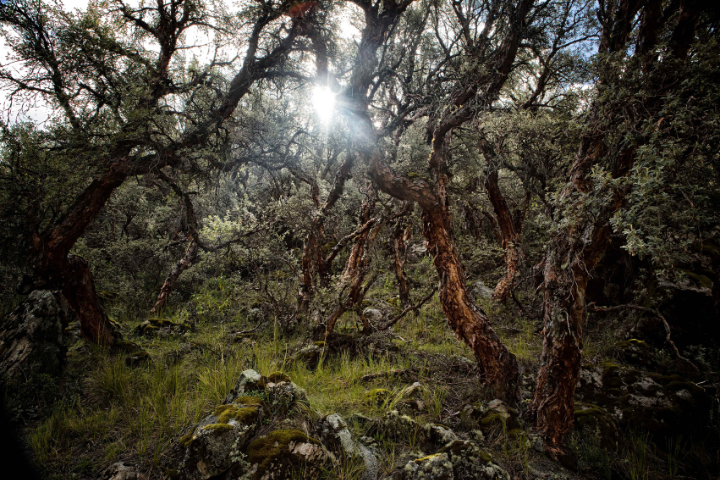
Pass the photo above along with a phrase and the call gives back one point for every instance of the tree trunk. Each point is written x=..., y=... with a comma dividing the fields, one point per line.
x=357, y=264
x=78, y=289
x=469, y=322
x=186, y=262
x=401, y=236
x=510, y=236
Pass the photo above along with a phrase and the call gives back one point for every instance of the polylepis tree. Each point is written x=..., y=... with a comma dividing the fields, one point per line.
x=644, y=46
x=114, y=79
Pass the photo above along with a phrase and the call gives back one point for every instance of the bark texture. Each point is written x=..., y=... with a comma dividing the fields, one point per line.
x=576, y=250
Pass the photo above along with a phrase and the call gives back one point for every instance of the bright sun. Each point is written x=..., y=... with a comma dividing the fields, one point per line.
x=323, y=100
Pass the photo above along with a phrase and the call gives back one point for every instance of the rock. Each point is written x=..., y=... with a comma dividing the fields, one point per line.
x=660, y=404
x=248, y=381
x=336, y=435
x=497, y=417
x=636, y=352
x=439, y=435
x=31, y=341
x=373, y=315
x=159, y=325
x=215, y=445
x=397, y=426
x=310, y=355
x=432, y=467
x=593, y=420
x=284, y=455
x=458, y=460
x=410, y=397
x=481, y=290
x=120, y=471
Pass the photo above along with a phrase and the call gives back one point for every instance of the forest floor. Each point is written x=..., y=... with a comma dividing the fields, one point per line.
x=110, y=407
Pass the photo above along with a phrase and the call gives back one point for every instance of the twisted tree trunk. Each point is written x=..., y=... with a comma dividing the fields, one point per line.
x=191, y=254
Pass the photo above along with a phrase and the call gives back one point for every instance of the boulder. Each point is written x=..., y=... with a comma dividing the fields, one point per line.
x=285, y=455
x=636, y=352
x=439, y=435
x=215, y=445
x=31, y=340
x=660, y=404
x=310, y=355
x=336, y=436
x=458, y=460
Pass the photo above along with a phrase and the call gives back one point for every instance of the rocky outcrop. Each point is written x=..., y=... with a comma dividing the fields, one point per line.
x=660, y=404
x=121, y=471
x=233, y=442
x=31, y=340
x=336, y=436
x=458, y=460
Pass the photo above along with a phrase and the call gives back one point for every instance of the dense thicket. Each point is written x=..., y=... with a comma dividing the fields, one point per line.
x=526, y=143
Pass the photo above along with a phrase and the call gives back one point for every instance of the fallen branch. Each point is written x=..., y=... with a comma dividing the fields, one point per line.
x=596, y=308
x=415, y=307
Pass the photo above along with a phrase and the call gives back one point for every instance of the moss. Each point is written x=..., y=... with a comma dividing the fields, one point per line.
x=376, y=396
x=248, y=400
x=185, y=440
x=215, y=427
x=264, y=451
x=277, y=377
x=320, y=344
x=244, y=415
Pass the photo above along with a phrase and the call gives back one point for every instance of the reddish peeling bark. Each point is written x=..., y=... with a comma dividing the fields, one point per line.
x=575, y=251
x=510, y=234
x=357, y=265
x=168, y=286
x=78, y=289
x=469, y=322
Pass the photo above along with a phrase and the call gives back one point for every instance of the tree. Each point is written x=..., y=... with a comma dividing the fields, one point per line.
x=115, y=107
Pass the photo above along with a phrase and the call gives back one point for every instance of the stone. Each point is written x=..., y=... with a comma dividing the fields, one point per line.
x=310, y=355
x=410, y=397
x=336, y=436
x=216, y=444
x=397, y=426
x=439, y=435
x=636, y=352
x=120, y=471
x=284, y=455
x=373, y=315
x=458, y=460
x=660, y=404
x=249, y=380
x=31, y=340
x=497, y=417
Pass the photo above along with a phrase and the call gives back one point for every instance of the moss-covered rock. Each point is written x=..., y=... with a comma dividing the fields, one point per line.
x=497, y=417
x=397, y=426
x=159, y=325
x=31, y=339
x=458, y=460
x=248, y=381
x=660, y=404
x=216, y=444
x=637, y=352
x=438, y=435
x=592, y=419
x=310, y=355
x=285, y=454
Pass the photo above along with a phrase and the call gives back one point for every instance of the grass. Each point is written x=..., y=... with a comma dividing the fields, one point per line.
x=138, y=413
